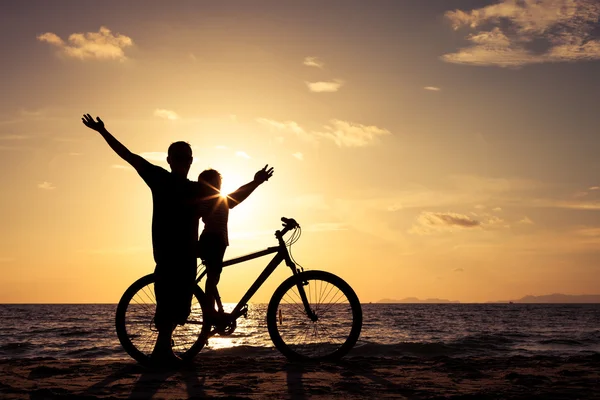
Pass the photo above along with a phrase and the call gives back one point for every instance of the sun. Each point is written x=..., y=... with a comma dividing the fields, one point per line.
x=231, y=182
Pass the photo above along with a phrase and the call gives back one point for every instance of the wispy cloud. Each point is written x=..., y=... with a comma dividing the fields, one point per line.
x=6, y=259
x=349, y=134
x=313, y=62
x=124, y=167
x=430, y=222
x=46, y=186
x=167, y=114
x=101, y=45
x=432, y=88
x=594, y=188
x=459, y=270
x=299, y=156
x=288, y=126
x=565, y=27
x=325, y=86
x=526, y=221
x=242, y=154
x=342, y=133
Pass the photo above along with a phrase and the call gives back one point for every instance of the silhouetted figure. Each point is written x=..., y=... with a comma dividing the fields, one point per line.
x=214, y=211
x=174, y=234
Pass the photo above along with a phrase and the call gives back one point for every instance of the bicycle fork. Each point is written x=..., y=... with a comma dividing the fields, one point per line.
x=300, y=285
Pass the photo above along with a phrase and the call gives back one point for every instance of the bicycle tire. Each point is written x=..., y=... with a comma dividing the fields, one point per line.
x=188, y=339
x=322, y=285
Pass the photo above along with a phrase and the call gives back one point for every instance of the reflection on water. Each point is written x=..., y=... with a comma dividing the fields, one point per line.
x=251, y=331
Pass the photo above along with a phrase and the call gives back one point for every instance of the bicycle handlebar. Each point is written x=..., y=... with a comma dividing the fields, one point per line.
x=288, y=224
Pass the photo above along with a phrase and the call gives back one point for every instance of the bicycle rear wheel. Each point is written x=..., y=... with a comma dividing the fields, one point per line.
x=336, y=327
x=135, y=323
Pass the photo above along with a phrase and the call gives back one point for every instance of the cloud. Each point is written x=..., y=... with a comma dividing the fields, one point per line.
x=342, y=133
x=325, y=87
x=430, y=222
x=349, y=134
x=526, y=221
x=299, y=156
x=594, y=188
x=242, y=154
x=528, y=32
x=289, y=126
x=119, y=166
x=167, y=114
x=46, y=186
x=101, y=45
x=432, y=88
x=459, y=270
x=497, y=209
x=313, y=62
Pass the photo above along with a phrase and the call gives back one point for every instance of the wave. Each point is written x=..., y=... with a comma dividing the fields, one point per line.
x=15, y=349
x=95, y=352
x=567, y=342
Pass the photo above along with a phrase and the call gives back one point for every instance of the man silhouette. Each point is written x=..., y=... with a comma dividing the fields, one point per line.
x=174, y=234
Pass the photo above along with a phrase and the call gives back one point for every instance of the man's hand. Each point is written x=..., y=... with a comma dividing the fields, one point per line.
x=264, y=174
x=88, y=121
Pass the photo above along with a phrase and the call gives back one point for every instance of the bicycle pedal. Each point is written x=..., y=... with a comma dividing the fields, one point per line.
x=244, y=311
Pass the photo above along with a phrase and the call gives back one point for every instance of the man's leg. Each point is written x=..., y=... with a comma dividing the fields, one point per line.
x=164, y=291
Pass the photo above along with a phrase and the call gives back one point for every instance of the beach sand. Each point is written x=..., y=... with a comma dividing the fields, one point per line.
x=357, y=377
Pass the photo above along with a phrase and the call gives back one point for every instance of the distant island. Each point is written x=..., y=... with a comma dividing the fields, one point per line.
x=556, y=298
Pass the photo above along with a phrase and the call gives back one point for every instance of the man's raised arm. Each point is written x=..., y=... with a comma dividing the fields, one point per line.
x=133, y=159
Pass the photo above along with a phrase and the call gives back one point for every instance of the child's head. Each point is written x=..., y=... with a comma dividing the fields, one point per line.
x=211, y=177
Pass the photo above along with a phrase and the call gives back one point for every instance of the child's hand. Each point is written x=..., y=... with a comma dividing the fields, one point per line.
x=88, y=121
x=264, y=174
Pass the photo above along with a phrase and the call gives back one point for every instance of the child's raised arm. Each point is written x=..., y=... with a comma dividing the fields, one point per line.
x=239, y=195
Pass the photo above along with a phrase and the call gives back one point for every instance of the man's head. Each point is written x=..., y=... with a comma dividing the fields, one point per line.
x=211, y=177
x=180, y=158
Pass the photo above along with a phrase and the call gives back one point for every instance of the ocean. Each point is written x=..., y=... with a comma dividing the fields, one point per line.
x=86, y=331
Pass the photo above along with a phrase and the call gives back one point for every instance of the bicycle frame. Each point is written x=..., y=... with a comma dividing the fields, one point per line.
x=282, y=255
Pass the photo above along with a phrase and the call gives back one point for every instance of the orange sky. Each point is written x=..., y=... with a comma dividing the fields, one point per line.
x=428, y=149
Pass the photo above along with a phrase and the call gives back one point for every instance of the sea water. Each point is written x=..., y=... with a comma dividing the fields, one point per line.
x=76, y=331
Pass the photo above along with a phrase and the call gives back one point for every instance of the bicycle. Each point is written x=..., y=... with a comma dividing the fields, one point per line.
x=296, y=315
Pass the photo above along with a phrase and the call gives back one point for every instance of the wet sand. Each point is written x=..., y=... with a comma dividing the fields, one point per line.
x=359, y=377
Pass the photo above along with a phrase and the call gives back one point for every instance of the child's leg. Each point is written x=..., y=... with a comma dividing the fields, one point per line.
x=212, y=279
x=214, y=250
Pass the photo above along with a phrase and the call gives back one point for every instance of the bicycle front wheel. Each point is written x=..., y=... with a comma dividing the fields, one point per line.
x=334, y=327
x=135, y=323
